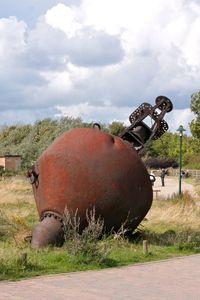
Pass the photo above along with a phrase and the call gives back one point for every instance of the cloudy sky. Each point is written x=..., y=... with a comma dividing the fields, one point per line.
x=97, y=59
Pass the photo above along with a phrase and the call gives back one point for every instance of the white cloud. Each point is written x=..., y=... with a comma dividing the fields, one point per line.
x=116, y=16
x=180, y=117
x=101, y=58
x=11, y=37
x=95, y=113
x=64, y=18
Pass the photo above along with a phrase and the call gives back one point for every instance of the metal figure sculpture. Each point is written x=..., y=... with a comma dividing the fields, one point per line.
x=86, y=168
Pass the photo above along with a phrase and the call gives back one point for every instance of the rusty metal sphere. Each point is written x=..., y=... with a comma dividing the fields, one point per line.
x=86, y=168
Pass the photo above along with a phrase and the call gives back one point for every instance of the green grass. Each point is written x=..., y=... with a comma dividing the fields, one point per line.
x=58, y=260
x=171, y=228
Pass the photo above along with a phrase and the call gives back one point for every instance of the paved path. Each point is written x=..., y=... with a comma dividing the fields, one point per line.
x=171, y=187
x=174, y=279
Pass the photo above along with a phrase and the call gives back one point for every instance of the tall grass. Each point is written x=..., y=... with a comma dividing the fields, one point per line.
x=171, y=227
x=174, y=221
x=175, y=212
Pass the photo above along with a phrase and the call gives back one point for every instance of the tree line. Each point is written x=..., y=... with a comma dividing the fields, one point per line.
x=30, y=140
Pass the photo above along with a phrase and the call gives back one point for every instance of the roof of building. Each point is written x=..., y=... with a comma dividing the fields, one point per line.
x=10, y=155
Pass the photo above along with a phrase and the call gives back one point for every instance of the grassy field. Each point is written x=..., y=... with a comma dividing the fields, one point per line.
x=171, y=228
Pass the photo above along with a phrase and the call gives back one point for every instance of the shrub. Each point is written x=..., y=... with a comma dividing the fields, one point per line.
x=84, y=244
x=161, y=163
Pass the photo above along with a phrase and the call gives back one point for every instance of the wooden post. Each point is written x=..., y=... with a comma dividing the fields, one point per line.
x=23, y=258
x=145, y=247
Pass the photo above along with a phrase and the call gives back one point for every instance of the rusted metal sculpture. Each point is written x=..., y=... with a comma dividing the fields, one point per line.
x=139, y=133
x=87, y=168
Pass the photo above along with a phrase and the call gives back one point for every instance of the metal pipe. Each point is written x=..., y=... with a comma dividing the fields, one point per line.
x=48, y=232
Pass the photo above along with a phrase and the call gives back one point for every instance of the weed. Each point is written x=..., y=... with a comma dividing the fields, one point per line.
x=84, y=244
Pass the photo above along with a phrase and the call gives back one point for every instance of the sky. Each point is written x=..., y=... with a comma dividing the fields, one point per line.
x=97, y=59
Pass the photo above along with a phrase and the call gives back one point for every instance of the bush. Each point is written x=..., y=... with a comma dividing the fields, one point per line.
x=84, y=244
x=161, y=163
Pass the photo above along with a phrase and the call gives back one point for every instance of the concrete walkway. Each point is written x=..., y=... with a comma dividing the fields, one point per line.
x=174, y=279
x=171, y=187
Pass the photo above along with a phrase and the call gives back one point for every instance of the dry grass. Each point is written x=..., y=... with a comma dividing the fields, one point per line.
x=17, y=207
x=14, y=190
x=197, y=187
x=175, y=213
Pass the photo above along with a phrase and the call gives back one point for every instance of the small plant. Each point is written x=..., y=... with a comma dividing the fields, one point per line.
x=123, y=232
x=71, y=223
x=84, y=244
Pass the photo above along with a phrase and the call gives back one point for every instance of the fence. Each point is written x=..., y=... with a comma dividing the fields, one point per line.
x=175, y=172
x=191, y=173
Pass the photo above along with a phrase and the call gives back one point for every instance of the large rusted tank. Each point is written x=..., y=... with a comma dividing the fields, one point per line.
x=86, y=168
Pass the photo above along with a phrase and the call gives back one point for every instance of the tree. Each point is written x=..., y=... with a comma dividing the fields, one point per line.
x=195, y=107
x=116, y=128
x=166, y=146
x=195, y=127
x=195, y=103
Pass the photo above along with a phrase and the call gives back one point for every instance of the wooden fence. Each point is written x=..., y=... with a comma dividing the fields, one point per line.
x=175, y=172
x=191, y=173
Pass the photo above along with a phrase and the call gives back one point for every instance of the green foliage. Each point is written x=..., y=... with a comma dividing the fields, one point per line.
x=195, y=127
x=116, y=128
x=168, y=146
x=195, y=103
x=30, y=141
x=195, y=107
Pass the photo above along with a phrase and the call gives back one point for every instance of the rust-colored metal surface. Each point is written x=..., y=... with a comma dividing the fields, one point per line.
x=48, y=232
x=86, y=168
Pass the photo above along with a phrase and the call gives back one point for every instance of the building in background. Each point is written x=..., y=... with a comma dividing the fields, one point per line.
x=10, y=162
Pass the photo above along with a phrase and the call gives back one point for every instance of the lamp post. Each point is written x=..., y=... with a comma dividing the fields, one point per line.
x=180, y=130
